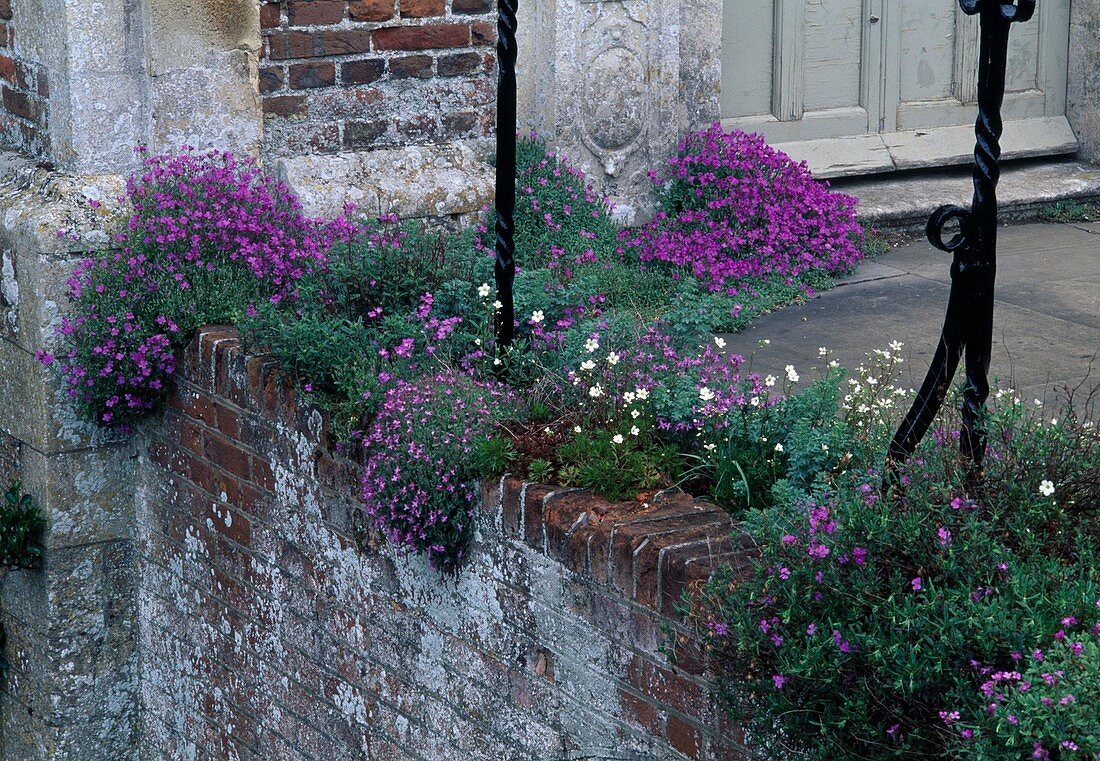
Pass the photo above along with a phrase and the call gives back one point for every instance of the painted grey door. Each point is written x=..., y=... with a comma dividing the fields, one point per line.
x=858, y=86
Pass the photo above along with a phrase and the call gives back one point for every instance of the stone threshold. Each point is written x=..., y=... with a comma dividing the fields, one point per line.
x=902, y=202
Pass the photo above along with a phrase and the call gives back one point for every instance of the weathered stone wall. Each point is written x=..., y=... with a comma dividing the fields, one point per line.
x=274, y=626
x=70, y=626
x=24, y=117
x=1083, y=101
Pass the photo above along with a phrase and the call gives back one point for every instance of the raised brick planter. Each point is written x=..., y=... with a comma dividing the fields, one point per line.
x=273, y=625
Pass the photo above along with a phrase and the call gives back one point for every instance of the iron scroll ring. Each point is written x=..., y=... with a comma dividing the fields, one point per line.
x=1020, y=10
x=940, y=217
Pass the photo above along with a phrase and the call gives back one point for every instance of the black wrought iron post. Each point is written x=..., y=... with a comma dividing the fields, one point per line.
x=505, y=268
x=968, y=325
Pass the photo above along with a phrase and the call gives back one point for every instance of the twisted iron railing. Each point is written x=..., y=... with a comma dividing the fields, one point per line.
x=505, y=267
x=968, y=325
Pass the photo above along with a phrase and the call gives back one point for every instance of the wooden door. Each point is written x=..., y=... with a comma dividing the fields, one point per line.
x=859, y=86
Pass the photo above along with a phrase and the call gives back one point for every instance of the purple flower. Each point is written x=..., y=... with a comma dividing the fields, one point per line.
x=916, y=584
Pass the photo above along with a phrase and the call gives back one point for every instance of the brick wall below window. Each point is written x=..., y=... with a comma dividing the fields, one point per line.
x=348, y=76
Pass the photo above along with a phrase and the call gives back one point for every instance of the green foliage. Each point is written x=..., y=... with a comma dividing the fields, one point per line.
x=493, y=455
x=617, y=469
x=21, y=528
x=1072, y=210
x=875, y=615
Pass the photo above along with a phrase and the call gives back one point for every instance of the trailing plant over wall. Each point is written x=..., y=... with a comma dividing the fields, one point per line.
x=924, y=621
x=622, y=387
x=209, y=237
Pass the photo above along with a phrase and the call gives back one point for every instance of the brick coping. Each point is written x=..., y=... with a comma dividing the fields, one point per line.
x=651, y=552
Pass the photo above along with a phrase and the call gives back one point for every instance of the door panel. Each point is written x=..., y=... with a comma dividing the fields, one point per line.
x=813, y=75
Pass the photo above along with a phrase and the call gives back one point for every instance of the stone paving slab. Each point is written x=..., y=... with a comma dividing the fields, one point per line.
x=1047, y=318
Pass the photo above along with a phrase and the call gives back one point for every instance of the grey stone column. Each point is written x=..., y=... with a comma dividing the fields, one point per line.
x=614, y=84
x=1083, y=97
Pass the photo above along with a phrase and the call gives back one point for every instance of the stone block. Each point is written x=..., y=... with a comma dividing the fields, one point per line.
x=425, y=181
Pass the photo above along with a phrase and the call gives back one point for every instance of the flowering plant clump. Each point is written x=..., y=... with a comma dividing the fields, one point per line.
x=882, y=614
x=420, y=483
x=209, y=235
x=734, y=210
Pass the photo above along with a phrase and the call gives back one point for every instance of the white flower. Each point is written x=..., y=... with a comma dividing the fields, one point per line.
x=710, y=447
x=484, y=290
x=612, y=358
x=596, y=391
x=576, y=429
x=720, y=342
x=1054, y=421
x=1046, y=488
x=824, y=447
x=537, y=316
x=895, y=346
x=766, y=342
x=588, y=365
x=822, y=351
x=634, y=430
x=642, y=393
x=547, y=431
x=617, y=438
x=792, y=376
x=706, y=394
x=1038, y=402
x=833, y=363
x=497, y=304
x=634, y=414
x=778, y=447
x=591, y=345
x=769, y=381
x=755, y=401
x=496, y=361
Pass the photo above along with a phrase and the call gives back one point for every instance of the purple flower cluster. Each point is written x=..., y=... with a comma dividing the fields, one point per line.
x=419, y=485
x=199, y=221
x=199, y=210
x=735, y=209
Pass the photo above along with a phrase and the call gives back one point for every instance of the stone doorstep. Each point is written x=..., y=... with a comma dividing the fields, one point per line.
x=903, y=201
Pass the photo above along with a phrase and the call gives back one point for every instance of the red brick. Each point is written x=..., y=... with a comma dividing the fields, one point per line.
x=315, y=12
x=269, y=16
x=7, y=68
x=411, y=66
x=422, y=37
x=684, y=737
x=283, y=45
x=262, y=474
x=19, y=104
x=199, y=407
x=362, y=72
x=227, y=455
x=229, y=421
x=363, y=134
x=271, y=79
x=371, y=10
x=421, y=8
x=510, y=506
x=483, y=33
x=285, y=106
x=305, y=76
x=640, y=711
x=459, y=125
x=531, y=506
x=472, y=6
x=345, y=42
x=459, y=63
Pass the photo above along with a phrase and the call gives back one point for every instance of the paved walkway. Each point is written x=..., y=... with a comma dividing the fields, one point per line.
x=1046, y=323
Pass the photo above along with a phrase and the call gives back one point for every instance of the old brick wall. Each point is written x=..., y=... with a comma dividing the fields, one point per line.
x=340, y=75
x=25, y=90
x=272, y=626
